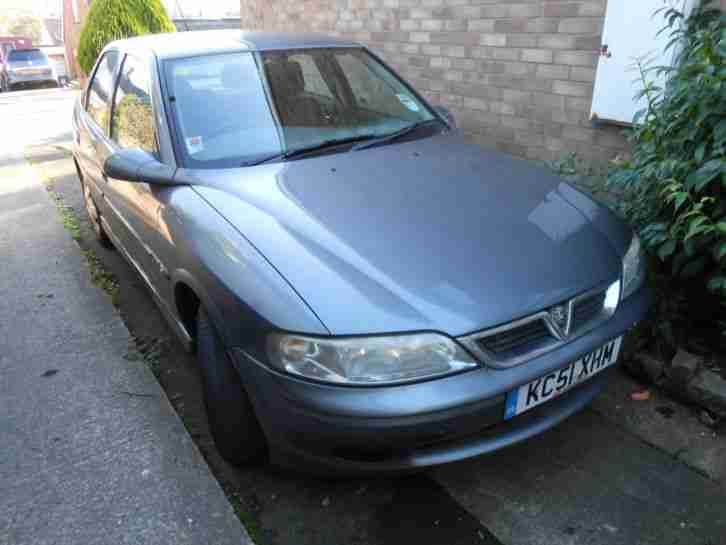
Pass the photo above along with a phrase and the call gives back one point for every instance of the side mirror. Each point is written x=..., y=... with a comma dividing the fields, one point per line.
x=136, y=165
x=444, y=112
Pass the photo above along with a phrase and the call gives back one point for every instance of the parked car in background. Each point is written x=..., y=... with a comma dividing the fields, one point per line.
x=27, y=69
x=7, y=44
x=57, y=57
x=365, y=290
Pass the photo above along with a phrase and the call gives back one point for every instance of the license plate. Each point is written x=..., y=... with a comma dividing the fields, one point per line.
x=557, y=382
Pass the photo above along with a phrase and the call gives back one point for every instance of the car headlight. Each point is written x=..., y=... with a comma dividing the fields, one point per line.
x=368, y=360
x=633, y=267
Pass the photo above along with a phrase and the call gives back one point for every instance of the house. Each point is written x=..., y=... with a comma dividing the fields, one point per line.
x=73, y=14
x=203, y=18
x=534, y=78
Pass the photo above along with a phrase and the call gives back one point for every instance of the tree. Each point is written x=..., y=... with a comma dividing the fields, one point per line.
x=26, y=26
x=110, y=20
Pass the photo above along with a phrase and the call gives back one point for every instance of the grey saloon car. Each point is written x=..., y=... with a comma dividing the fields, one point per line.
x=365, y=291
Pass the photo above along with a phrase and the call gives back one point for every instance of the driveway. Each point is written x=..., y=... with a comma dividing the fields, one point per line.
x=621, y=472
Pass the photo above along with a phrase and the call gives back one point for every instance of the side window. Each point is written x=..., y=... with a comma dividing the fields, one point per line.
x=101, y=89
x=314, y=82
x=132, y=125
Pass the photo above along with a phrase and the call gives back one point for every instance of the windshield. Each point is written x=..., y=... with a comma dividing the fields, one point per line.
x=35, y=56
x=226, y=115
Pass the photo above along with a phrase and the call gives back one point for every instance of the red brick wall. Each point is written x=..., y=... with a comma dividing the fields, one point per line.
x=518, y=74
x=72, y=33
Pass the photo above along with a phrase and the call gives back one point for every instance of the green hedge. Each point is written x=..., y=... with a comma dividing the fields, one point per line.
x=673, y=188
x=110, y=20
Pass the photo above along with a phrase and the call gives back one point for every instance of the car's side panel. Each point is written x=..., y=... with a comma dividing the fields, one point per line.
x=134, y=207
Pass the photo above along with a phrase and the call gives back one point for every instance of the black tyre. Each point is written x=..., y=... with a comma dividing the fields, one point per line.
x=95, y=216
x=232, y=421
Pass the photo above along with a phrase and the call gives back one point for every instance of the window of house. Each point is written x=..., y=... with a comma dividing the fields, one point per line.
x=101, y=88
x=132, y=125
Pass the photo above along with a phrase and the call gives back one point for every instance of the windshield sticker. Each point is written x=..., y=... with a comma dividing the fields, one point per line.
x=195, y=144
x=408, y=102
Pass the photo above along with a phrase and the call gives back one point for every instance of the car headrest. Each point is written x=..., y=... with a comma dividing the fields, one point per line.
x=286, y=77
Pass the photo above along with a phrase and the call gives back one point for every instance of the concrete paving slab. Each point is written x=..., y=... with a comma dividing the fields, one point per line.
x=588, y=482
x=91, y=450
x=666, y=424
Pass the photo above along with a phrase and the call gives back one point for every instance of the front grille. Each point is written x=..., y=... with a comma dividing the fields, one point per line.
x=586, y=309
x=514, y=343
x=517, y=338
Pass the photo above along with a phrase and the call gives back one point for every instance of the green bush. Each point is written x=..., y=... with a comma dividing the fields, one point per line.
x=672, y=189
x=110, y=20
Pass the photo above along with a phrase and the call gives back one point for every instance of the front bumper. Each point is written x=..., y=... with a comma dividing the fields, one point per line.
x=20, y=81
x=337, y=429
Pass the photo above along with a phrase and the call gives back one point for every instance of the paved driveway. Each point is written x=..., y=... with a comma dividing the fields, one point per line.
x=619, y=473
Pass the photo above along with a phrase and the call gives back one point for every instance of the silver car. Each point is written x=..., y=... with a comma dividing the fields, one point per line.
x=365, y=290
x=26, y=69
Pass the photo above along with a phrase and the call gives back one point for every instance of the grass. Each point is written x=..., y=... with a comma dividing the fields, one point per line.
x=250, y=522
x=68, y=216
x=100, y=276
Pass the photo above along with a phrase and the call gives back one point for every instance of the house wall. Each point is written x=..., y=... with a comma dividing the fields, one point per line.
x=74, y=12
x=518, y=74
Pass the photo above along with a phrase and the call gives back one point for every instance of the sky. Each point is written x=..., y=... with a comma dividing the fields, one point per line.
x=205, y=8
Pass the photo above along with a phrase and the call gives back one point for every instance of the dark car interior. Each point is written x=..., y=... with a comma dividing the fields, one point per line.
x=316, y=99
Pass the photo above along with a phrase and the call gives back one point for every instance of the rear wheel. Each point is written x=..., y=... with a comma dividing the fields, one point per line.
x=95, y=216
x=232, y=421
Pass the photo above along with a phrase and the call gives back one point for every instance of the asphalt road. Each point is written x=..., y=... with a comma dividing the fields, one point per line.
x=610, y=475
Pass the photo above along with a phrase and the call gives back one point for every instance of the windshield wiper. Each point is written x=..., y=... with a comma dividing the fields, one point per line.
x=408, y=129
x=313, y=148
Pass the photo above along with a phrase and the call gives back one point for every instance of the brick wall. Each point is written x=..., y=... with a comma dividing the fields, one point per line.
x=518, y=74
x=72, y=23
x=191, y=24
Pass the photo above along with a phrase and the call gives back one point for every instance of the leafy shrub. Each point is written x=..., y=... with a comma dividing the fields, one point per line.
x=672, y=189
x=110, y=20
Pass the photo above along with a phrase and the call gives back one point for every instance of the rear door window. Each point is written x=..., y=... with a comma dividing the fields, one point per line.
x=101, y=89
x=132, y=125
x=30, y=56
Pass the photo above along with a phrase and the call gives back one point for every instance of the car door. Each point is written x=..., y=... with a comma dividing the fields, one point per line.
x=93, y=143
x=135, y=207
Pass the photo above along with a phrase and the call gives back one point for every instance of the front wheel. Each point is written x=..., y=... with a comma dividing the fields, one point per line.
x=232, y=421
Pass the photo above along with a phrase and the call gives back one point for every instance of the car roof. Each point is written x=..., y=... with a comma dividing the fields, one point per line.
x=185, y=44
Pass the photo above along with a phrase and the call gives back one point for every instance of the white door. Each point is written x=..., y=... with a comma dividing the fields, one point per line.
x=630, y=32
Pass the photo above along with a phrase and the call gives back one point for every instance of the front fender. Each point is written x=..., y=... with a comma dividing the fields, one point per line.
x=244, y=294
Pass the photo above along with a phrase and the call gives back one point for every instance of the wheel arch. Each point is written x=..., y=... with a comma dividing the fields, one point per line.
x=189, y=295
